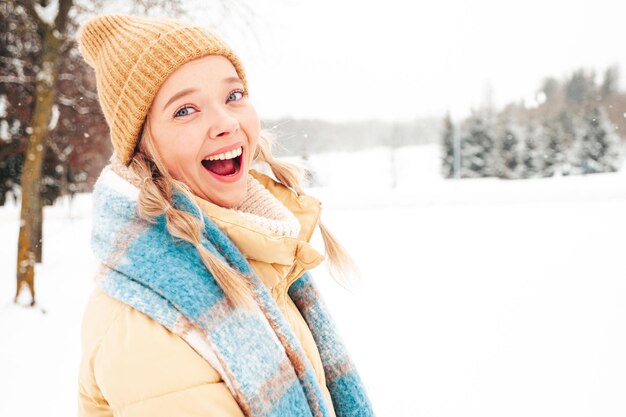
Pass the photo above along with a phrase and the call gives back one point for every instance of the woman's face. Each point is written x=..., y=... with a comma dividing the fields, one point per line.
x=205, y=129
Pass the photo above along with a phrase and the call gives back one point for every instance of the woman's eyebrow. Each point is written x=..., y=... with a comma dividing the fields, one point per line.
x=179, y=95
x=232, y=80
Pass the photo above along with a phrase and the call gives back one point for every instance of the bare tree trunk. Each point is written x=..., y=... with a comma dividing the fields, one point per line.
x=31, y=214
x=31, y=211
x=37, y=242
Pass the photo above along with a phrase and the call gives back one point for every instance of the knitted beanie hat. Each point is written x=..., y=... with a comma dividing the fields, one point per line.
x=132, y=57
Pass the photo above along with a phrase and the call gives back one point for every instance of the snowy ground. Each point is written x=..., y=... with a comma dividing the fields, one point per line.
x=479, y=298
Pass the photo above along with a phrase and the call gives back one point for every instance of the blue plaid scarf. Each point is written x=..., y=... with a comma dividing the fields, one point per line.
x=255, y=351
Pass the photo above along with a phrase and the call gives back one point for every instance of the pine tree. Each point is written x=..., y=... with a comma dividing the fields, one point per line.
x=477, y=147
x=600, y=147
x=508, y=153
x=553, y=152
x=610, y=83
x=570, y=133
x=581, y=87
x=447, y=148
x=533, y=151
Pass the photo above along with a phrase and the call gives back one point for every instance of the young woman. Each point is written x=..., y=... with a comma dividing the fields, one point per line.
x=203, y=305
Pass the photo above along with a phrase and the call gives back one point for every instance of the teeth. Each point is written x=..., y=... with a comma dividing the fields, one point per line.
x=228, y=155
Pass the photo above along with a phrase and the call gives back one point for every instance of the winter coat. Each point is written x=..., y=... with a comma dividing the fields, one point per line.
x=147, y=353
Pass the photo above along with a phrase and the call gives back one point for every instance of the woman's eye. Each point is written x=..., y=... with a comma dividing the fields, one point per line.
x=184, y=111
x=236, y=95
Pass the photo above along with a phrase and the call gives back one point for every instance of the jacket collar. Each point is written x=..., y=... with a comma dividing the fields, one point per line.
x=261, y=244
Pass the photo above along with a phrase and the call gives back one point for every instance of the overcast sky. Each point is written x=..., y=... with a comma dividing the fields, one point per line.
x=392, y=59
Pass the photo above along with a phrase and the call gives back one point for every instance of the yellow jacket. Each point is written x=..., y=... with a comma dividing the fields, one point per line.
x=132, y=366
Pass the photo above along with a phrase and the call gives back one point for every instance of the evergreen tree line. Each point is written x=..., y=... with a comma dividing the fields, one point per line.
x=569, y=131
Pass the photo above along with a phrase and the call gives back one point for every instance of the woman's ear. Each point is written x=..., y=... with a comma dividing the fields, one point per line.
x=144, y=133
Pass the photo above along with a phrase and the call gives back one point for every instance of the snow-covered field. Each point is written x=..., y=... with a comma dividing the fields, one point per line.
x=481, y=298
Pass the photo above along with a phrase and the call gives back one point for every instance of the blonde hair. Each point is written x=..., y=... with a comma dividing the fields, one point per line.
x=156, y=188
x=341, y=266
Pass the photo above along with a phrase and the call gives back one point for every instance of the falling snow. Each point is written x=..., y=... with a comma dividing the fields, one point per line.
x=5, y=135
x=49, y=13
x=3, y=105
x=54, y=118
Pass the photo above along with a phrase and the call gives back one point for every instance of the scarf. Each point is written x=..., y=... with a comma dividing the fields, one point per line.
x=255, y=351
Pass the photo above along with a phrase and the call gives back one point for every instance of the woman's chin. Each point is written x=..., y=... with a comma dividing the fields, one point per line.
x=228, y=197
x=230, y=202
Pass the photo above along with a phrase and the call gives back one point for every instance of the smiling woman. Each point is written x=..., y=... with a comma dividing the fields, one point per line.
x=203, y=304
x=209, y=121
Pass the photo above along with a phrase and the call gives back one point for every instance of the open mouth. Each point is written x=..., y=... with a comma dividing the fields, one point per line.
x=225, y=164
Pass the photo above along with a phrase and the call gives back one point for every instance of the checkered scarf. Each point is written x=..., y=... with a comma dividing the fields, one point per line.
x=255, y=351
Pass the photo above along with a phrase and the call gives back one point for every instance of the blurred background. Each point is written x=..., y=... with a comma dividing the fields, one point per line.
x=468, y=154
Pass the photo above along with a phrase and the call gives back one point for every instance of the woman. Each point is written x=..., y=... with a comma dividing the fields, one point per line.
x=203, y=306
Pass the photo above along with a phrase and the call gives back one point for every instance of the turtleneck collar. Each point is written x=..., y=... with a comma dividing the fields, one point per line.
x=262, y=208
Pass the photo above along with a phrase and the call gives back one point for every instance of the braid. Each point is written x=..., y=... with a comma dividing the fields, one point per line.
x=341, y=265
x=286, y=173
x=155, y=198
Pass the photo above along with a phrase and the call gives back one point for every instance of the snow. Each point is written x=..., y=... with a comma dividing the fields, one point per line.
x=3, y=105
x=4, y=130
x=48, y=13
x=39, y=351
x=54, y=118
x=478, y=297
x=45, y=75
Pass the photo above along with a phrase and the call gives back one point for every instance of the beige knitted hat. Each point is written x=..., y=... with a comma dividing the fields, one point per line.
x=132, y=57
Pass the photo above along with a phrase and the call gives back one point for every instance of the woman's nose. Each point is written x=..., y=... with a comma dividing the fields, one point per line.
x=222, y=124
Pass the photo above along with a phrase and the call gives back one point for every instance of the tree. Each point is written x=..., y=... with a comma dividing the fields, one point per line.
x=610, y=83
x=581, y=87
x=551, y=88
x=575, y=129
x=553, y=151
x=570, y=131
x=533, y=154
x=599, y=149
x=10, y=164
x=447, y=148
x=477, y=150
x=43, y=72
x=508, y=136
x=52, y=37
x=18, y=47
